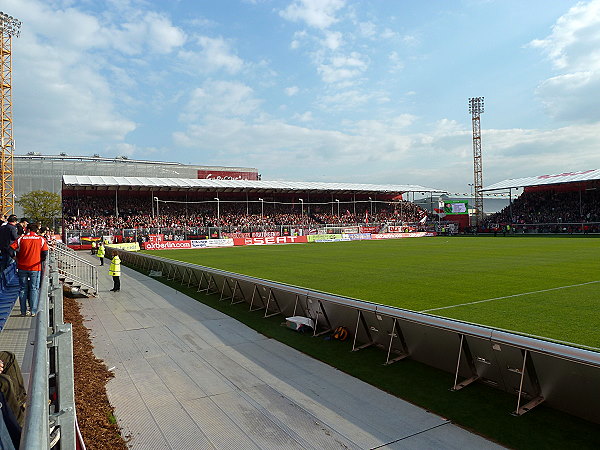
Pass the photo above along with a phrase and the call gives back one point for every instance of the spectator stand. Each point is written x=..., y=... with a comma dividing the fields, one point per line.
x=9, y=292
x=564, y=203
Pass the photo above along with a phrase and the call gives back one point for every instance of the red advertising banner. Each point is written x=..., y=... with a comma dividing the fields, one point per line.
x=237, y=235
x=270, y=240
x=226, y=175
x=400, y=229
x=368, y=229
x=263, y=234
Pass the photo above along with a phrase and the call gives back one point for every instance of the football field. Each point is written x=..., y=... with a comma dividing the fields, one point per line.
x=541, y=286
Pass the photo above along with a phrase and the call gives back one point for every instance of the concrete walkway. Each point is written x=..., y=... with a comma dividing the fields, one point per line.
x=189, y=377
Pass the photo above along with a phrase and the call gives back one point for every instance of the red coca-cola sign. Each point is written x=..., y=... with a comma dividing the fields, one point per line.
x=226, y=175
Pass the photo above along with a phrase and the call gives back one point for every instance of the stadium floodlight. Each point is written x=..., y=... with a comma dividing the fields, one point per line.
x=262, y=208
x=338, y=204
x=371, y=205
x=9, y=25
x=302, y=201
x=476, y=107
x=218, y=209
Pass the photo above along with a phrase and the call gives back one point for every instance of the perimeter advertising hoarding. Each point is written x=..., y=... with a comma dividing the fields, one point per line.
x=270, y=240
x=402, y=235
x=226, y=175
x=200, y=243
x=325, y=238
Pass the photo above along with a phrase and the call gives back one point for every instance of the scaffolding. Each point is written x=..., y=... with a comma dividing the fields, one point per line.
x=476, y=109
x=9, y=28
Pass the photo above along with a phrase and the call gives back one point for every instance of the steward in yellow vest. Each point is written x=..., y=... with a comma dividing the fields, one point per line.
x=115, y=272
x=101, y=253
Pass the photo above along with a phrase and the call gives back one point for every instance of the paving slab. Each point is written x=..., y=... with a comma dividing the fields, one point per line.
x=188, y=376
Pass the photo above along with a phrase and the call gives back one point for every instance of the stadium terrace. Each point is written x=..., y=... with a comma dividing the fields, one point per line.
x=132, y=208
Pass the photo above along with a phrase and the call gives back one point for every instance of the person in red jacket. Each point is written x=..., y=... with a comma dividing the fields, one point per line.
x=31, y=250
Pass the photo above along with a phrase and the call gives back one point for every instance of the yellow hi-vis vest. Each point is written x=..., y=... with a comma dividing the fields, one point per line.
x=101, y=251
x=115, y=267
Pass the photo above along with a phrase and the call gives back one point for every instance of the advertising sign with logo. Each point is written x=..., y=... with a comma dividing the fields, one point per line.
x=165, y=245
x=368, y=229
x=270, y=240
x=402, y=235
x=129, y=246
x=237, y=235
x=226, y=175
x=266, y=234
x=357, y=236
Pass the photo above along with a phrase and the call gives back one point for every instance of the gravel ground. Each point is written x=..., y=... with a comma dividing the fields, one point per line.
x=94, y=412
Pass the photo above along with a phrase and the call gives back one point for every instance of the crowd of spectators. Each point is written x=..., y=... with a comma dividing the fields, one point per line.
x=550, y=207
x=84, y=213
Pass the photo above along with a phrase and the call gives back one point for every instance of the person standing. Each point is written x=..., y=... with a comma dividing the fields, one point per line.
x=21, y=226
x=31, y=251
x=115, y=272
x=101, y=252
x=8, y=235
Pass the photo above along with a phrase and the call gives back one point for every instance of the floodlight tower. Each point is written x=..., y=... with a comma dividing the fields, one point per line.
x=476, y=109
x=9, y=27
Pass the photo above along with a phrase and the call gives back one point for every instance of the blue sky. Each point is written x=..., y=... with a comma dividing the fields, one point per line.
x=370, y=91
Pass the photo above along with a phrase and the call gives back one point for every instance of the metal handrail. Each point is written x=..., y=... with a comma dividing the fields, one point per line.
x=76, y=269
x=52, y=358
x=36, y=427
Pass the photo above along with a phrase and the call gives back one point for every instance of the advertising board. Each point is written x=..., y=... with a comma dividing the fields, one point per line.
x=368, y=229
x=270, y=240
x=129, y=246
x=402, y=235
x=357, y=236
x=166, y=245
x=226, y=175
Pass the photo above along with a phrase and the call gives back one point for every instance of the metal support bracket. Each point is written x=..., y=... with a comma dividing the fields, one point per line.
x=396, y=333
x=254, y=292
x=464, y=348
x=272, y=296
x=536, y=397
x=321, y=312
x=360, y=320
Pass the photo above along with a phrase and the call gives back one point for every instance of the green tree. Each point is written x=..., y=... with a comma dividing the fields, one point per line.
x=42, y=206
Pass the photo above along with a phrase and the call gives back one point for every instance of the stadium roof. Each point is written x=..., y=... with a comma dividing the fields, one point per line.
x=191, y=184
x=540, y=180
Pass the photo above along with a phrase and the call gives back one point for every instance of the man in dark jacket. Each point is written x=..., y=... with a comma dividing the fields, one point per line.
x=8, y=235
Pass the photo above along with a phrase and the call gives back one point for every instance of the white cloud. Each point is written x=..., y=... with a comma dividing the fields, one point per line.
x=214, y=54
x=319, y=14
x=291, y=91
x=341, y=68
x=304, y=117
x=574, y=49
x=151, y=31
x=333, y=40
x=220, y=99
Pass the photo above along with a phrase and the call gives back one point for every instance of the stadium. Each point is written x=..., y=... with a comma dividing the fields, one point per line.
x=150, y=304
x=306, y=241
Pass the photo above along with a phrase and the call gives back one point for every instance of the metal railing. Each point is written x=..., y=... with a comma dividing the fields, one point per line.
x=75, y=269
x=52, y=370
x=535, y=370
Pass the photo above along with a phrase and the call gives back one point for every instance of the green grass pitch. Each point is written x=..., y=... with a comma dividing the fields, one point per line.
x=547, y=287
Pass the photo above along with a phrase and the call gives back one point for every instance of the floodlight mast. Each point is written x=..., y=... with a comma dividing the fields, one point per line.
x=476, y=109
x=9, y=27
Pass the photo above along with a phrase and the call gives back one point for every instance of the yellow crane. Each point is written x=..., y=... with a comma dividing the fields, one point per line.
x=9, y=28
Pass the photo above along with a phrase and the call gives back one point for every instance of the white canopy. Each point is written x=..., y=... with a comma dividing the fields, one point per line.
x=559, y=178
x=182, y=184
